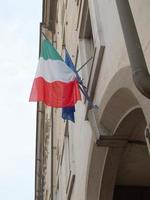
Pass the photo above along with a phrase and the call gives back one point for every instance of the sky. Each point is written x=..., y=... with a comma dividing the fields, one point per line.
x=19, y=47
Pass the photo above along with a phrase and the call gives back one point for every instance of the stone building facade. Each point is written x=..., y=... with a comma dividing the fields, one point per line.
x=104, y=155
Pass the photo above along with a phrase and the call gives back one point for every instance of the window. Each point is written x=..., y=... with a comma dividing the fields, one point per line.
x=91, y=45
x=86, y=45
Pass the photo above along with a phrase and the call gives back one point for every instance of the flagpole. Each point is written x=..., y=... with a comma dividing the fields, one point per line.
x=45, y=36
x=90, y=103
x=80, y=82
x=84, y=64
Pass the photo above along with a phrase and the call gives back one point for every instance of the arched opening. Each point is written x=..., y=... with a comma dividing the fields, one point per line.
x=133, y=174
x=121, y=102
x=126, y=174
x=114, y=170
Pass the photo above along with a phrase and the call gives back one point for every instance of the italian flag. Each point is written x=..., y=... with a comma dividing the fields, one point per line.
x=55, y=84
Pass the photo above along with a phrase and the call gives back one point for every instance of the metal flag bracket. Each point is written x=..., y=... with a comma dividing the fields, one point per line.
x=84, y=92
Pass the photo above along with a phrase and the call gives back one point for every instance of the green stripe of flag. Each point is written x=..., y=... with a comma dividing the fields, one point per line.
x=48, y=51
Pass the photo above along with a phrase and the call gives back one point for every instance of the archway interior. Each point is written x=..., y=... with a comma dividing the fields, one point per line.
x=114, y=169
x=133, y=176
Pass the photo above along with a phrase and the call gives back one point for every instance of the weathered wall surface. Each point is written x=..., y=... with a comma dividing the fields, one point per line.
x=83, y=27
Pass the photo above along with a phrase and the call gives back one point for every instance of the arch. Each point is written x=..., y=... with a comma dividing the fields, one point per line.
x=121, y=85
x=123, y=164
x=105, y=161
x=123, y=116
x=119, y=104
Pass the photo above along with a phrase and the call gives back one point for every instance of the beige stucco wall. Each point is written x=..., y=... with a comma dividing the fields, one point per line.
x=115, y=56
x=115, y=73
